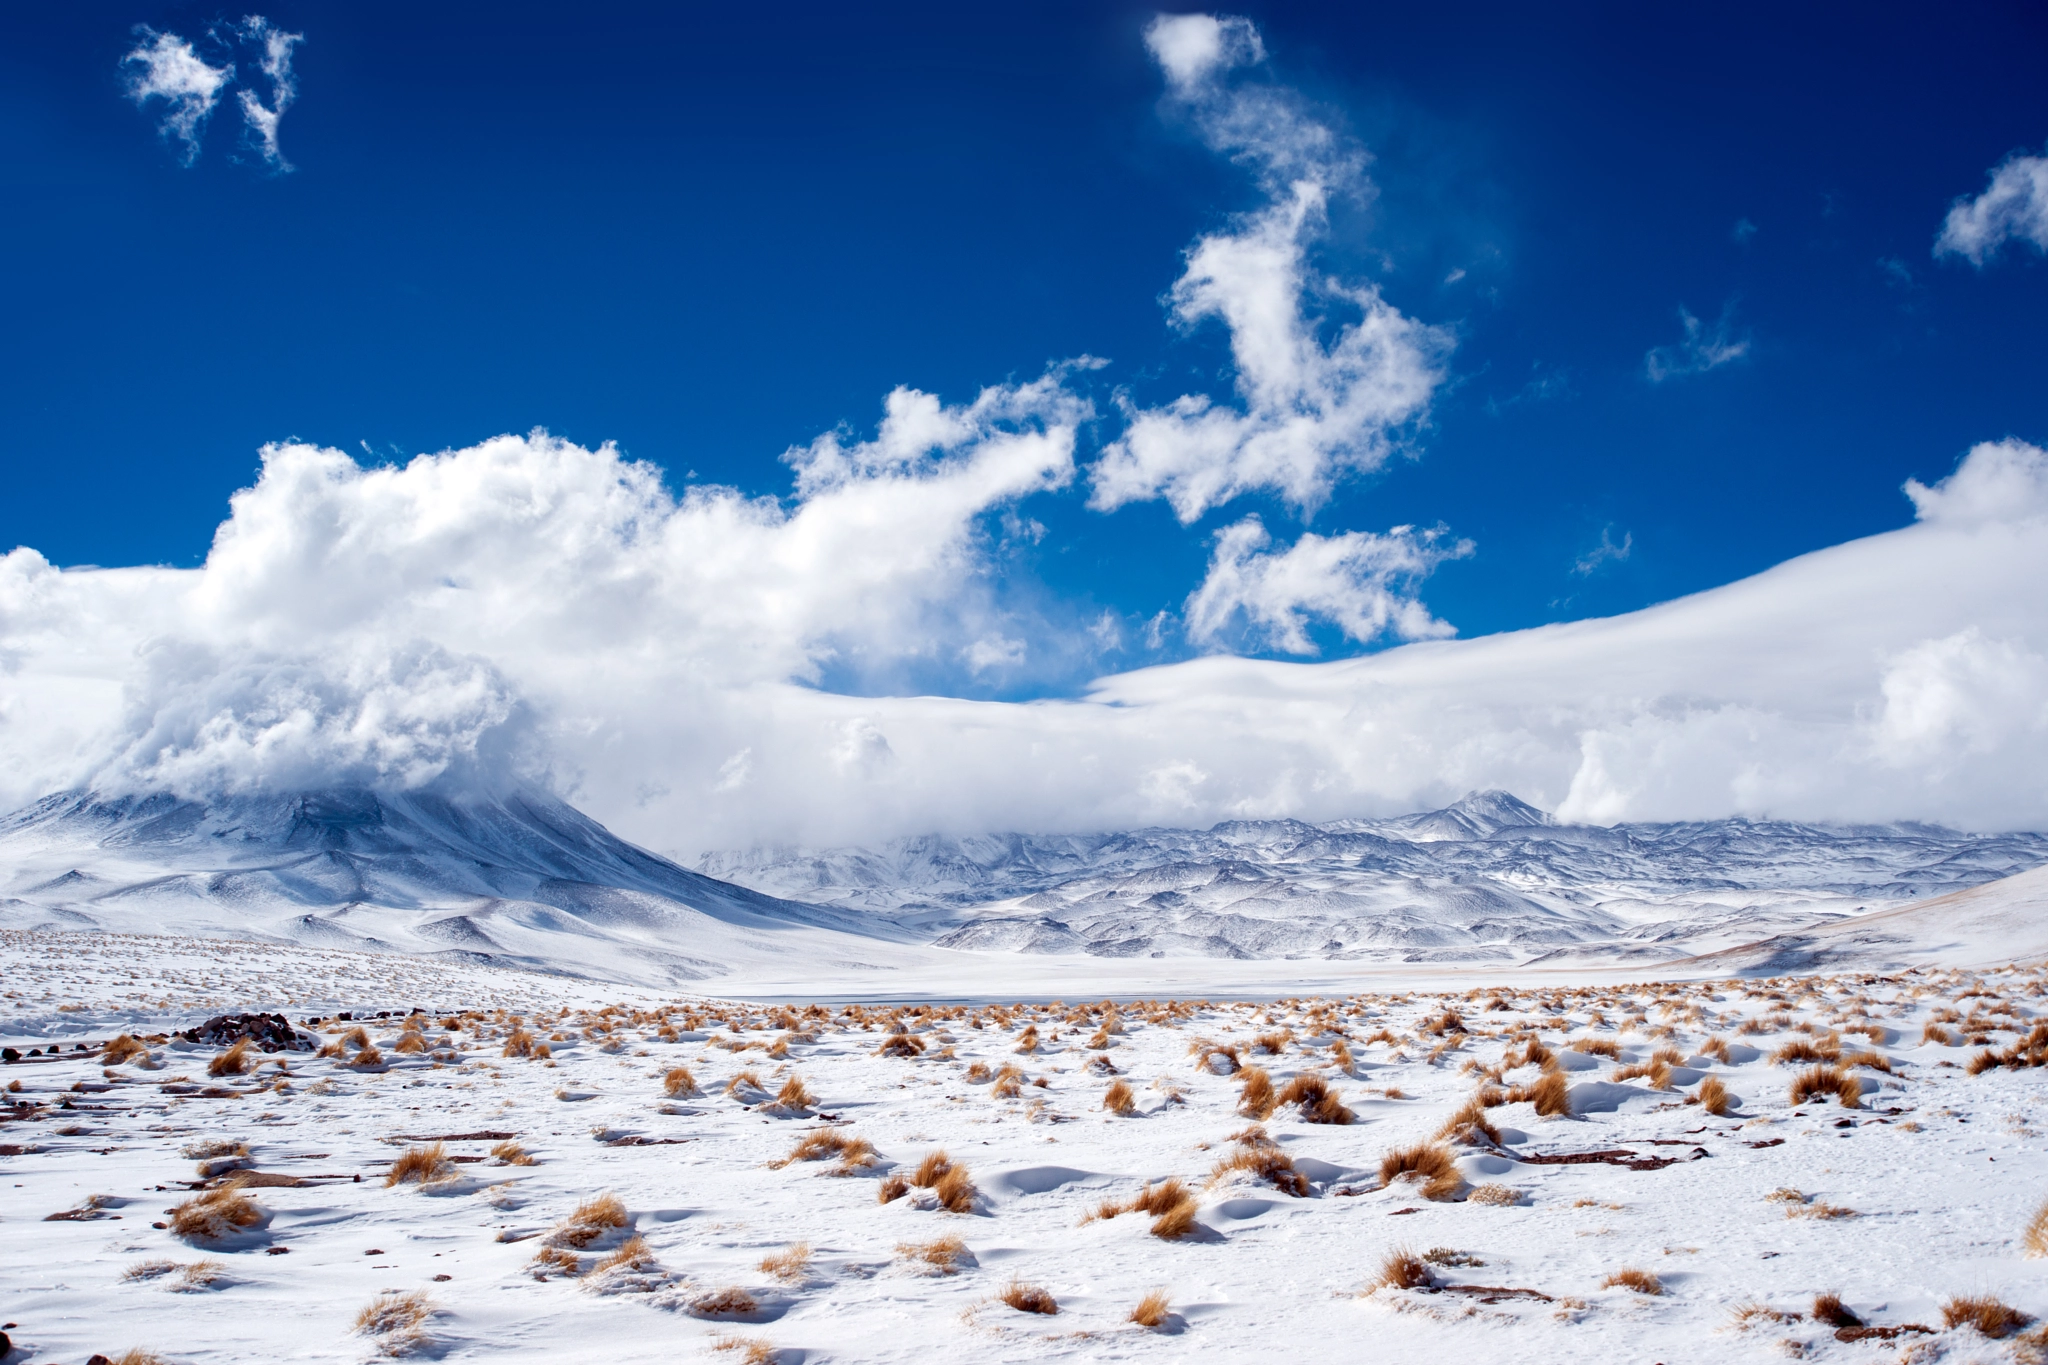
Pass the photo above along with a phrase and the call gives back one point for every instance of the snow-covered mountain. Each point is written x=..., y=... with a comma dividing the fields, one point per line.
x=519, y=879
x=1487, y=878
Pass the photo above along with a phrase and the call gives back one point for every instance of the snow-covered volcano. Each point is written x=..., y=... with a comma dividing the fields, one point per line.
x=518, y=879
x=1489, y=878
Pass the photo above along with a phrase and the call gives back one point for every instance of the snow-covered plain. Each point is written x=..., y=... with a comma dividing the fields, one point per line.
x=1920, y=1194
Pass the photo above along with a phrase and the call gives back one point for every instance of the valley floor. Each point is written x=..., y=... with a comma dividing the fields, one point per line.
x=720, y=1247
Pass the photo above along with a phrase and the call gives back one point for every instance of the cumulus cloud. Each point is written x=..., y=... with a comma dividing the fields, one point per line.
x=563, y=618
x=1699, y=350
x=275, y=61
x=1310, y=410
x=165, y=67
x=2014, y=207
x=1362, y=583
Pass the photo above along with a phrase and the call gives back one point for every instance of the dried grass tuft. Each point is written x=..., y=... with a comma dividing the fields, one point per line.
x=1830, y=1309
x=678, y=1083
x=1470, y=1124
x=789, y=1266
x=510, y=1153
x=1502, y=1195
x=425, y=1165
x=233, y=1062
x=1317, y=1101
x=1713, y=1096
x=1986, y=1315
x=1120, y=1100
x=1431, y=1164
x=1634, y=1280
x=1152, y=1310
x=941, y=1254
x=1028, y=1298
x=592, y=1219
x=121, y=1049
x=753, y=1350
x=1256, y=1099
x=398, y=1321
x=214, y=1215
x=730, y=1302
x=1402, y=1269
x=1818, y=1082
x=2035, y=1238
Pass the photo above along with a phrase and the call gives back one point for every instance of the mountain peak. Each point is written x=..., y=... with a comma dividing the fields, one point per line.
x=1495, y=810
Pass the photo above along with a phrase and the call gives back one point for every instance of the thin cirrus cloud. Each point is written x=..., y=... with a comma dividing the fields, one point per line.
x=1308, y=412
x=1606, y=552
x=166, y=73
x=2012, y=208
x=1699, y=349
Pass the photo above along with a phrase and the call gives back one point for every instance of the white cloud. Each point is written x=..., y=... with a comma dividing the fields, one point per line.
x=276, y=64
x=165, y=67
x=1362, y=583
x=1312, y=410
x=2014, y=207
x=1700, y=350
x=993, y=652
x=1605, y=552
x=634, y=642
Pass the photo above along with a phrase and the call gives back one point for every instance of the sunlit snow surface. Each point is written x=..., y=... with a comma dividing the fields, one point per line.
x=1920, y=1194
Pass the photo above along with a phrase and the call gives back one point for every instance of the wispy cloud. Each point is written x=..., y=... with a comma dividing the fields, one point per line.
x=1362, y=583
x=1606, y=552
x=1743, y=231
x=167, y=67
x=1699, y=350
x=163, y=66
x=2014, y=207
x=1311, y=411
x=276, y=64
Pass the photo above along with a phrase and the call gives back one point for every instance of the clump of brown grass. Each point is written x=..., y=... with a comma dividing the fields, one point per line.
x=1009, y=1083
x=1027, y=1041
x=1983, y=1313
x=409, y=1042
x=121, y=1049
x=1273, y=1043
x=1830, y=1309
x=424, y=1165
x=518, y=1043
x=1549, y=1093
x=2035, y=1238
x=510, y=1153
x=1598, y=1047
x=977, y=1072
x=753, y=1350
x=730, y=1302
x=233, y=1062
x=1822, y=1081
x=1172, y=1206
x=794, y=1097
x=398, y=1321
x=854, y=1153
x=1717, y=1048
x=789, y=1266
x=592, y=1219
x=1752, y=1311
x=941, y=1254
x=1935, y=1033
x=1429, y=1163
x=1402, y=1269
x=893, y=1187
x=632, y=1254
x=1152, y=1310
x=1806, y=1050
x=745, y=1080
x=1028, y=1298
x=1266, y=1162
x=1316, y=1100
x=1634, y=1280
x=1712, y=1097
x=678, y=1083
x=214, y=1215
x=367, y=1058
x=1119, y=1099
x=1502, y=1195
x=1470, y=1124
x=1872, y=1061
x=1256, y=1099
x=901, y=1044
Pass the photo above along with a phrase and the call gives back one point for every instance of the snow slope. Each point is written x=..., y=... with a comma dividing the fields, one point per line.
x=1489, y=878
x=521, y=880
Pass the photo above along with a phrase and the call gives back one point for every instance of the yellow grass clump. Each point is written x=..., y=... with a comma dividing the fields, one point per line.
x=1257, y=1098
x=1152, y=1310
x=1549, y=1093
x=1634, y=1280
x=753, y=1350
x=1712, y=1097
x=398, y=1321
x=1984, y=1314
x=1402, y=1269
x=121, y=1049
x=214, y=1215
x=233, y=1062
x=1317, y=1102
x=941, y=1254
x=424, y=1165
x=592, y=1219
x=731, y=1302
x=1009, y=1083
x=1502, y=1195
x=678, y=1083
x=789, y=1266
x=1428, y=1163
x=1819, y=1082
x=1028, y=1298
x=512, y=1154
x=1470, y=1124
x=1119, y=1099
x=2035, y=1238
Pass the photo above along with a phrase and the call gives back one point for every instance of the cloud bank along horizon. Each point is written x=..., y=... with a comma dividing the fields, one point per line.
x=527, y=610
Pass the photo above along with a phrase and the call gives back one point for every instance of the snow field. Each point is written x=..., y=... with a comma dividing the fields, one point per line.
x=736, y=1212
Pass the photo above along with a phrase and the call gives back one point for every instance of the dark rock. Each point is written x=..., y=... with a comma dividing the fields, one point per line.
x=269, y=1032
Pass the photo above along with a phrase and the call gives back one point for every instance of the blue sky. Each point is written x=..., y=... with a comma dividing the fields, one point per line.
x=711, y=236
